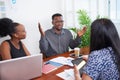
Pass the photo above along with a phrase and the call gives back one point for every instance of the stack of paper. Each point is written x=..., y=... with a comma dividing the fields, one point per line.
x=50, y=66
x=67, y=74
x=55, y=63
x=63, y=60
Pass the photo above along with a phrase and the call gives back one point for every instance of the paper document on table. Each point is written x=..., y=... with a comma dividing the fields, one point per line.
x=63, y=60
x=70, y=72
x=59, y=60
x=67, y=74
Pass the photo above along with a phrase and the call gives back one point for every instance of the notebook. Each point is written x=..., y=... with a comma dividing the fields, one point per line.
x=48, y=68
x=23, y=68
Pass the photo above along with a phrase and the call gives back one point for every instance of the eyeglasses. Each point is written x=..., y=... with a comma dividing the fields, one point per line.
x=59, y=21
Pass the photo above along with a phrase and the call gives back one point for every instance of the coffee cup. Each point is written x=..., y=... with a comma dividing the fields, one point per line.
x=77, y=52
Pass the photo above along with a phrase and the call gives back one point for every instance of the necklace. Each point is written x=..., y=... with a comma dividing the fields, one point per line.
x=16, y=45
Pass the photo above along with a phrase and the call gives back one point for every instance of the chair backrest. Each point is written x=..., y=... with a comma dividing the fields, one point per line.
x=0, y=58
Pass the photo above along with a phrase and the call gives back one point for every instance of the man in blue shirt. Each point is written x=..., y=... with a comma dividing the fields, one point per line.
x=57, y=40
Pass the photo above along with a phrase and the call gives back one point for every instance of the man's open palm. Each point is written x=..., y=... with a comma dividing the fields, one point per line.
x=40, y=30
x=81, y=32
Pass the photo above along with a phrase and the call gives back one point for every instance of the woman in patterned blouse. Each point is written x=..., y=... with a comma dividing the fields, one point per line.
x=104, y=60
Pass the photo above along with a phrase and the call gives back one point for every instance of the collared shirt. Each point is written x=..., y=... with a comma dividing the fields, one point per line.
x=53, y=43
x=101, y=65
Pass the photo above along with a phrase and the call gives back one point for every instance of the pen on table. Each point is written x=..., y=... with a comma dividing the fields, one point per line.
x=80, y=57
x=47, y=62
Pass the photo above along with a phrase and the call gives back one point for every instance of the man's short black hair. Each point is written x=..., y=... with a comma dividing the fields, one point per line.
x=56, y=15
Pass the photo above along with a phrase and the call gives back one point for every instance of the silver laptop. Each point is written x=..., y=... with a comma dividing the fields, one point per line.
x=23, y=68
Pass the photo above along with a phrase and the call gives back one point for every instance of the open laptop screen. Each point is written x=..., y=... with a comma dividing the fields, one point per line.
x=23, y=68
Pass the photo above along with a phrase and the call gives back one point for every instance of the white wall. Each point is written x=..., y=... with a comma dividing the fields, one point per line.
x=29, y=12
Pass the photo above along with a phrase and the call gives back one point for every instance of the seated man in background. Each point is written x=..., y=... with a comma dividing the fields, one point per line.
x=57, y=40
x=12, y=48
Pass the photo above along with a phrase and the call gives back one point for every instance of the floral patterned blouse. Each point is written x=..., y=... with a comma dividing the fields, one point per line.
x=101, y=65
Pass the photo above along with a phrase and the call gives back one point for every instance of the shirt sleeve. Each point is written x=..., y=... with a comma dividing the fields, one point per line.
x=74, y=42
x=94, y=65
x=43, y=44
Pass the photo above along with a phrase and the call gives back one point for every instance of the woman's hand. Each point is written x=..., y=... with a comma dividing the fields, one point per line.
x=85, y=57
x=76, y=73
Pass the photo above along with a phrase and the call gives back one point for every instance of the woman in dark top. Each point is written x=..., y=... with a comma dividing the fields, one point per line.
x=12, y=48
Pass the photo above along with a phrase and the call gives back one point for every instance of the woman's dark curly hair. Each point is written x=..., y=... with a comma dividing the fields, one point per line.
x=7, y=27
